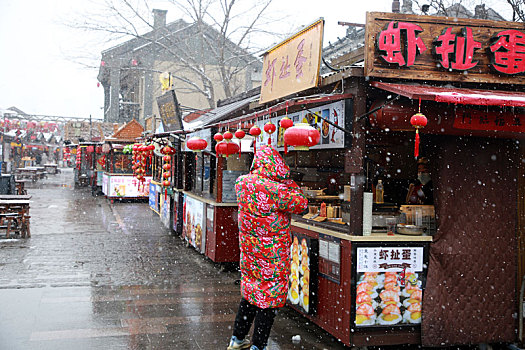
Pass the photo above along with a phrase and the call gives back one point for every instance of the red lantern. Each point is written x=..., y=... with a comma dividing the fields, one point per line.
x=240, y=134
x=418, y=121
x=218, y=137
x=166, y=183
x=228, y=136
x=255, y=131
x=166, y=158
x=90, y=149
x=166, y=166
x=196, y=144
x=226, y=149
x=269, y=128
x=302, y=136
x=286, y=123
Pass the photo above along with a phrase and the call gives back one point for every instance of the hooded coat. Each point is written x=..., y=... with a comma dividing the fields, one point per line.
x=266, y=198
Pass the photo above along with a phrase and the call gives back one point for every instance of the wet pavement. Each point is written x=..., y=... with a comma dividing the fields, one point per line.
x=96, y=275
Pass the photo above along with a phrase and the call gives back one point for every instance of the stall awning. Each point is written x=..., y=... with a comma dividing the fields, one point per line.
x=456, y=95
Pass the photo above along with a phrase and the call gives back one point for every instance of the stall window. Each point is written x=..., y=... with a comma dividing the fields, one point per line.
x=122, y=163
x=189, y=171
x=197, y=186
x=208, y=174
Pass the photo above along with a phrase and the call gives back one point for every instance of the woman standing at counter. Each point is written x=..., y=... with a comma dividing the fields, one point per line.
x=266, y=198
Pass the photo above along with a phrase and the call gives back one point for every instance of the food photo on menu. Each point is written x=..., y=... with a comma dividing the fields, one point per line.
x=392, y=294
x=299, y=280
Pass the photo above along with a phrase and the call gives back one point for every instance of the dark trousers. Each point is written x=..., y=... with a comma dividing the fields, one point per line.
x=262, y=326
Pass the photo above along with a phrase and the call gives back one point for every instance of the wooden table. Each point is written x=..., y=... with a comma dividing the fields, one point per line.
x=10, y=197
x=51, y=168
x=33, y=173
x=15, y=212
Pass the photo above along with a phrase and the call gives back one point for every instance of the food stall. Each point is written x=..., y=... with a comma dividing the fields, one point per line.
x=209, y=204
x=118, y=181
x=368, y=267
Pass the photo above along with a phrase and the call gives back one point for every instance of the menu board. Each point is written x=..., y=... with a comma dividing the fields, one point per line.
x=331, y=137
x=152, y=197
x=389, y=285
x=194, y=223
x=303, y=270
x=330, y=257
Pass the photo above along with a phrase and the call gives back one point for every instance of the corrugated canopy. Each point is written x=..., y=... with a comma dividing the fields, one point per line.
x=456, y=95
x=220, y=113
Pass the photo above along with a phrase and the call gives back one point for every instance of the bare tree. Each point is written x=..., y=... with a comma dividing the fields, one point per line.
x=471, y=9
x=213, y=43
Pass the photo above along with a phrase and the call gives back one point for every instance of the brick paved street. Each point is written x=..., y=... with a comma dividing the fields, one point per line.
x=101, y=276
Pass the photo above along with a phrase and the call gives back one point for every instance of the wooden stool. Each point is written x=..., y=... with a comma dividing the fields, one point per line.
x=10, y=221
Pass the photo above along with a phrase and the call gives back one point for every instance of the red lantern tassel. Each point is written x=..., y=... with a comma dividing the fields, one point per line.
x=165, y=193
x=255, y=145
x=416, y=145
x=285, y=148
x=269, y=139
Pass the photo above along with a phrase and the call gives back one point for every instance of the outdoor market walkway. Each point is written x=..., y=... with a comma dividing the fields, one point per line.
x=101, y=276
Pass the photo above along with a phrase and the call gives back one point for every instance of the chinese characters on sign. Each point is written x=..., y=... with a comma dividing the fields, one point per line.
x=484, y=120
x=390, y=40
x=169, y=111
x=399, y=44
x=293, y=65
x=391, y=259
x=441, y=48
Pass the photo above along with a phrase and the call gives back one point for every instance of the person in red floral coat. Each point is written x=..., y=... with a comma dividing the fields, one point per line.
x=266, y=197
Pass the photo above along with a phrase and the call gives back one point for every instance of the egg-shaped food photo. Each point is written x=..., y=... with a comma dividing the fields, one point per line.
x=365, y=298
x=367, y=288
x=415, y=297
x=365, y=315
x=413, y=313
x=293, y=292
x=389, y=297
x=390, y=315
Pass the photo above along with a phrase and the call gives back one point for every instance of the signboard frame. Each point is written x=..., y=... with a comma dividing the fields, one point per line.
x=169, y=111
x=425, y=61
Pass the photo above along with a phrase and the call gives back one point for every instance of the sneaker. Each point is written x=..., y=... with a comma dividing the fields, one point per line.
x=238, y=344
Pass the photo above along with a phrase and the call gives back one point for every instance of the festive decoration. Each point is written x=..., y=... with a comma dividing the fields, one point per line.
x=418, y=121
x=166, y=175
x=255, y=131
x=218, y=137
x=269, y=128
x=302, y=136
x=98, y=149
x=240, y=134
x=196, y=144
x=286, y=123
x=228, y=136
x=226, y=149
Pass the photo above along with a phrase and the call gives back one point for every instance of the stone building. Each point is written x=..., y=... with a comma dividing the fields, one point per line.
x=130, y=72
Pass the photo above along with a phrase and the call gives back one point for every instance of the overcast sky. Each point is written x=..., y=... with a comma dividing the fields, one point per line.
x=37, y=63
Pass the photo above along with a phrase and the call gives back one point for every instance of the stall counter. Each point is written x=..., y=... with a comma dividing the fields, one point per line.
x=332, y=265
x=220, y=242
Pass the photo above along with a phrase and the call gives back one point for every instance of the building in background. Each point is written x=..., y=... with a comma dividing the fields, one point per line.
x=130, y=72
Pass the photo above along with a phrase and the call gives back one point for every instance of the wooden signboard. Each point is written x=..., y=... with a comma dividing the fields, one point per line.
x=293, y=65
x=444, y=48
x=169, y=111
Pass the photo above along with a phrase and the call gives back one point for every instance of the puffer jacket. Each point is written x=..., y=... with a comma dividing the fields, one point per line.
x=266, y=198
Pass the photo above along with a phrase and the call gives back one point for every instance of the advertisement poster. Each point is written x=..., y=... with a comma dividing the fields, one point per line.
x=100, y=177
x=331, y=137
x=303, y=270
x=105, y=182
x=152, y=196
x=194, y=223
x=165, y=211
x=389, y=286
x=127, y=187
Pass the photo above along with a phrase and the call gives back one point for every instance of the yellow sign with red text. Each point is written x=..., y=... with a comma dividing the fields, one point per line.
x=293, y=65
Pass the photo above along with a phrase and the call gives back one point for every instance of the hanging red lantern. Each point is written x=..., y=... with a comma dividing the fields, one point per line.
x=218, y=137
x=269, y=128
x=240, y=134
x=196, y=144
x=302, y=136
x=418, y=121
x=228, y=136
x=286, y=123
x=226, y=149
x=255, y=131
